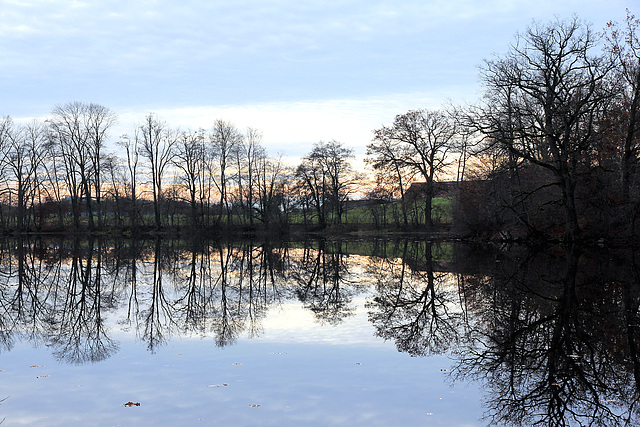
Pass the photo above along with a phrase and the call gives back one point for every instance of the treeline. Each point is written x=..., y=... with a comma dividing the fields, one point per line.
x=57, y=176
x=550, y=151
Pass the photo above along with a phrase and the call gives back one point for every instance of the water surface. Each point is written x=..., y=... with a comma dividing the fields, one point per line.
x=315, y=333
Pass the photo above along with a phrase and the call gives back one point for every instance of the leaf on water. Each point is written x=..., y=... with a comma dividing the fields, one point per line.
x=36, y=366
x=255, y=406
x=130, y=404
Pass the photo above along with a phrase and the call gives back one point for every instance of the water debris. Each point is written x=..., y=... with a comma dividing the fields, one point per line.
x=36, y=366
x=43, y=376
x=130, y=404
x=254, y=406
x=217, y=385
x=237, y=364
x=278, y=353
x=360, y=363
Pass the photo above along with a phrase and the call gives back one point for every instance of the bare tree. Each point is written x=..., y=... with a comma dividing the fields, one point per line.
x=624, y=44
x=98, y=121
x=386, y=156
x=189, y=159
x=132, y=151
x=80, y=131
x=418, y=141
x=543, y=100
x=224, y=139
x=326, y=175
x=254, y=155
x=67, y=128
x=270, y=180
x=157, y=146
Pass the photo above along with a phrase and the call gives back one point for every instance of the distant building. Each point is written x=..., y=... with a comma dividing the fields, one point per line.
x=418, y=190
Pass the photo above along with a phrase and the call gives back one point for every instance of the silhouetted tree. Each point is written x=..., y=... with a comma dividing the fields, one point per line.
x=543, y=101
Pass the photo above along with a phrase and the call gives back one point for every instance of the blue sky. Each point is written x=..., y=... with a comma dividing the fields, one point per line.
x=299, y=71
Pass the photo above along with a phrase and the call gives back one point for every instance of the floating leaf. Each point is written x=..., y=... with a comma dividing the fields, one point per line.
x=130, y=404
x=255, y=406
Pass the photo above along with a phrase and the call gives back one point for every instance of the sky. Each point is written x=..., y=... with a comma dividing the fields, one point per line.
x=299, y=71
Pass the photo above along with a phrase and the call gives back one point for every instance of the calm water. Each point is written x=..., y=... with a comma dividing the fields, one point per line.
x=315, y=333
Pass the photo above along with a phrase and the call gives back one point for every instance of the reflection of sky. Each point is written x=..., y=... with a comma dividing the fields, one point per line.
x=298, y=371
x=294, y=323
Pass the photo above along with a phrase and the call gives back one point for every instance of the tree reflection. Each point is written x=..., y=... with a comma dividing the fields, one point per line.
x=157, y=317
x=79, y=334
x=322, y=283
x=548, y=346
x=415, y=307
x=553, y=337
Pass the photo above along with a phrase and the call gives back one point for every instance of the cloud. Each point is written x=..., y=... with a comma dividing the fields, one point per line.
x=291, y=128
x=164, y=55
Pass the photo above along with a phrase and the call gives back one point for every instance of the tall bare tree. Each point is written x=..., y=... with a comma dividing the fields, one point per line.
x=543, y=100
x=132, y=151
x=69, y=135
x=157, y=147
x=98, y=121
x=419, y=142
x=624, y=44
x=80, y=130
x=189, y=159
x=224, y=139
x=327, y=177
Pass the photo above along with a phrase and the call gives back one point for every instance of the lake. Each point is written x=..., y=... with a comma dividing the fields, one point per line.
x=319, y=332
